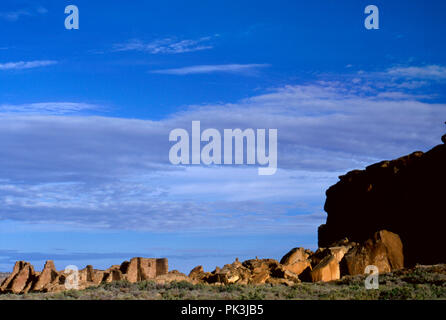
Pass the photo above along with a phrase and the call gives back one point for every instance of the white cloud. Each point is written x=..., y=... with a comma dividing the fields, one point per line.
x=226, y=68
x=26, y=64
x=434, y=72
x=114, y=173
x=17, y=14
x=166, y=45
x=401, y=78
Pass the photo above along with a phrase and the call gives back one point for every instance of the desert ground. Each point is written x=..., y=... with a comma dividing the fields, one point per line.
x=418, y=283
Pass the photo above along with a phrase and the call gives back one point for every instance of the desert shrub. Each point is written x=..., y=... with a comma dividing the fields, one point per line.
x=180, y=285
x=423, y=276
x=171, y=295
x=72, y=294
x=253, y=294
x=229, y=288
x=116, y=285
x=146, y=285
x=397, y=293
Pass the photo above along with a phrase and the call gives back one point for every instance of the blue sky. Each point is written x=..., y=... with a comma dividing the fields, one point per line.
x=85, y=117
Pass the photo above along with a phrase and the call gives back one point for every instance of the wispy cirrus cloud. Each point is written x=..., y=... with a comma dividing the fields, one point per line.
x=17, y=14
x=47, y=108
x=166, y=45
x=403, y=78
x=226, y=68
x=19, y=65
x=432, y=72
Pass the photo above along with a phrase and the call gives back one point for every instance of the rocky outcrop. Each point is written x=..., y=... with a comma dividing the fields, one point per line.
x=24, y=279
x=342, y=257
x=404, y=196
x=254, y=271
x=384, y=250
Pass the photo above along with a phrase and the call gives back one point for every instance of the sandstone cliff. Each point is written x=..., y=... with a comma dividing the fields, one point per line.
x=405, y=196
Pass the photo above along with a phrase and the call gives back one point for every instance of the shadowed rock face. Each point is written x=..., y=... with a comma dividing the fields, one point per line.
x=405, y=196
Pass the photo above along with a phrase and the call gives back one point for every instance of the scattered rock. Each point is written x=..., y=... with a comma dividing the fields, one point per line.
x=254, y=271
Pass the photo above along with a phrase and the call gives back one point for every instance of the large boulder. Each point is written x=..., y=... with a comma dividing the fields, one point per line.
x=384, y=250
x=405, y=196
x=326, y=262
x=326, y=270
x=297, y=260
x=261, y=269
